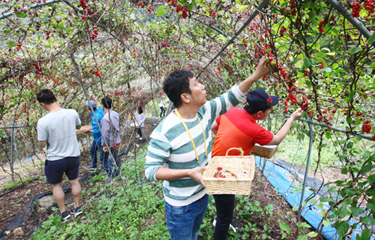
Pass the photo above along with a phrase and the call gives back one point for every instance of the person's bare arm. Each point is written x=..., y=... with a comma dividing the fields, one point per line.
x=164, y=173
x=278, y=138
x=214, y=127
x=261, y=70
x=42, y=144
x=78, y=127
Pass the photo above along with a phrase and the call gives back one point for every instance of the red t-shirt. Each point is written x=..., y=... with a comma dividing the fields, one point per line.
x=237, y=128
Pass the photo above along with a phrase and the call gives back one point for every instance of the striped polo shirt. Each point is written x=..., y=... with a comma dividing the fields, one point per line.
x=170, y=147
x=237, y=128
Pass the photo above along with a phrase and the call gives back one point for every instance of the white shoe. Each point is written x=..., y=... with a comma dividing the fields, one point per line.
x=230, y=225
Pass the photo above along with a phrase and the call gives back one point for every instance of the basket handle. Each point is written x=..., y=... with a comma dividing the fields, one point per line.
x=239, y=149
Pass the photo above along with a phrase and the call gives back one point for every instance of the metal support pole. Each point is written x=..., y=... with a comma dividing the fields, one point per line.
x=5, y=15
x=306, y=172
x=214, y=28
x=264, y=167
x=18, y=126
x=357, y=24
x=253, y=15
x=11, y=151
x=333, y=128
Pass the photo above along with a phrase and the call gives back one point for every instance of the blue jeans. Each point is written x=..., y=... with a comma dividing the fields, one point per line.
x=95, y=146
x=184, y=222
x=108, y=162
x=162, y=111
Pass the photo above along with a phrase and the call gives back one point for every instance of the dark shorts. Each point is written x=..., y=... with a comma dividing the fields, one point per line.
x=54, y=170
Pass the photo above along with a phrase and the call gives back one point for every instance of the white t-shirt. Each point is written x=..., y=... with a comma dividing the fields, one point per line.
x=59, y=130
x=140, y=119
x=162, y=103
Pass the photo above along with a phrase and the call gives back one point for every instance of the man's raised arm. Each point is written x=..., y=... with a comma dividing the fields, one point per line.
x=261, y=70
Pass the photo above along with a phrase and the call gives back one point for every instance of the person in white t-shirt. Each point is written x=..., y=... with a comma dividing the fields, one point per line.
x=140, y=121
x=57, y=131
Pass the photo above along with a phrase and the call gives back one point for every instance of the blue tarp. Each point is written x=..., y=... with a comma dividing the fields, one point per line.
x=284, y=182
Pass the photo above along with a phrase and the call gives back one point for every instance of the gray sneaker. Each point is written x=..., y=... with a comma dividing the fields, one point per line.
x=90, y=168
x=76, y=211
x=65, y=215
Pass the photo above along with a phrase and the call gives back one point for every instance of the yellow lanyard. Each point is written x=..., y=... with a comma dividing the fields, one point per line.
x=191, y=138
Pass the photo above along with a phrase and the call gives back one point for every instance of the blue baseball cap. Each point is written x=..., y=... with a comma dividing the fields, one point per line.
x=260, y=99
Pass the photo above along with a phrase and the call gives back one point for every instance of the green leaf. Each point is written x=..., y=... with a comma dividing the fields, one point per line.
x=356, y=211
x=344, y=212
x=366, y=234
x=371, y=178
x=367, y=220
x=326, y=223
x=11, y=43
x=243, y=7
x=354, y=50
x=323, y=212
x=321, y=54
x=306, y=62
x=357, y=137
x=342, y=228
x=21, y=14
x=371, y=40
x=68, y=229
x=284, y=227
x=319, y=205
x=161, y=11
x=313, y=234
x=366, y=168
x=349, y=120
x=313, y=201
x=189, y=7
x=302, y=237
x=308, y=83
x=328, y=135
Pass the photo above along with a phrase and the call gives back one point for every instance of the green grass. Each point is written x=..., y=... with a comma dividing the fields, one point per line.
x=133, y=210
x=295, y=151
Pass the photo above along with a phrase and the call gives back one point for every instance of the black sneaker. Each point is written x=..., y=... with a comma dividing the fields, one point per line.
x=90, y=168
x=65, y=215
x=76, y=211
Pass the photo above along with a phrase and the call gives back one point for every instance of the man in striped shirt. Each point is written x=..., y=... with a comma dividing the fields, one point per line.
x=181, y=146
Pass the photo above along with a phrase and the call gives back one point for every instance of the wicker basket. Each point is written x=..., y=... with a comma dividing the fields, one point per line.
x=242, y=186
x=134, y=125
x=266, y=151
